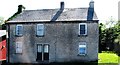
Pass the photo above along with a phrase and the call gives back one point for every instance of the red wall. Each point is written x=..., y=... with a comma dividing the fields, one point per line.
x=3, y=50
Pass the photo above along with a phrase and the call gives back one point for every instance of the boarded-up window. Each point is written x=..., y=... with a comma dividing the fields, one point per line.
x=19, y=30
x=82, y=29
x=18, y=47
x=40, y=30
x=82, y=48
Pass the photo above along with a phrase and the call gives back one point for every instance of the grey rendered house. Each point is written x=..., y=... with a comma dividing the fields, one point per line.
x=53, y=35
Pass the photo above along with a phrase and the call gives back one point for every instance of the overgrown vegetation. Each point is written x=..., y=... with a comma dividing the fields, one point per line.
x=108, y=37
x=1, y=21
x=20, y=7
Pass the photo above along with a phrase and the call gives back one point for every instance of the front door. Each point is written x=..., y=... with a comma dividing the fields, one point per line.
x=42, y=52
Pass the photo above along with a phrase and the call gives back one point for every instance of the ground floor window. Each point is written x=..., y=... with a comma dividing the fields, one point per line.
x=18, y=46
x=82, y=48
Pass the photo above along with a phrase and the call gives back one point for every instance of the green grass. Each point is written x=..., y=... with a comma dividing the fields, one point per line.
x=119, y=60
x=108, y=58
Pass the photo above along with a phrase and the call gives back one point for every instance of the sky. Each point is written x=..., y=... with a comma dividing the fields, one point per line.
x=106, y=10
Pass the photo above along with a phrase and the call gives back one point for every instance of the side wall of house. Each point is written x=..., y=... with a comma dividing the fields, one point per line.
x=63, y=39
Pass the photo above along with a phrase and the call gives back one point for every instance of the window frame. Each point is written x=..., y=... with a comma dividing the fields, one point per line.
x=39, y=50
x=18, y=47
x=44, y=51
x=16, y=30
x=37, y=34
x=84, y=46
x=85, y=28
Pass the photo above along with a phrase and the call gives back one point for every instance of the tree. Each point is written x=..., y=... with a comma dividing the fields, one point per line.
x=117, y=26
x=20, y=8
x=108, y=36
x=1, y=20
x=102, y=34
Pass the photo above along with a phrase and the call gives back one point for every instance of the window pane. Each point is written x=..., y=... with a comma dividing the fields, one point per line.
x=82, y=29
x=40, y=29
x=19, y=30
x=46, y=48
x=39, y=48
x=82, y=50
x=18, y=47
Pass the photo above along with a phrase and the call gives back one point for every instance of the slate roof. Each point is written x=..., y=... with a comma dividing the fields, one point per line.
x=68, y=14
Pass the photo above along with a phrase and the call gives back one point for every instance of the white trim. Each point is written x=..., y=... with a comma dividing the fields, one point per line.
x=19, y=47
x=48, y=20
x=43, y=44
x=2, y=33
x=19, y=25
x=85, y=28
x=37, y=27
x=17, y=28
x=82, y=45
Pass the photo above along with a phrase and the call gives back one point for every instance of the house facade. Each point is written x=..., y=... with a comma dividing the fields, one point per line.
x=53, y=35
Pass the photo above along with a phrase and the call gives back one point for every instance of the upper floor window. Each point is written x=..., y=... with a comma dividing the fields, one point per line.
x=82, y=29
x=19, y=30
x=40, y=30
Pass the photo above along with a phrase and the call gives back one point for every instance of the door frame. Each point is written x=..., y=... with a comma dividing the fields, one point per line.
x=42, y=51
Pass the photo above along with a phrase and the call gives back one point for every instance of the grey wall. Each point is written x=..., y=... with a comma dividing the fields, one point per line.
x=63, y=40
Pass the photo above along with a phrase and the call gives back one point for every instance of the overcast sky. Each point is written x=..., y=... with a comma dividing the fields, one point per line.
x=103, y=8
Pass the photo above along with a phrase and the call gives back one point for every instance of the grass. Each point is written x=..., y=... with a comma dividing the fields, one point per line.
x=119, y=60
x=106, y=57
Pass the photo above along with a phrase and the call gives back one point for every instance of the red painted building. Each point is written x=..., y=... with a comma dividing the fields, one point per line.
x=2, y=45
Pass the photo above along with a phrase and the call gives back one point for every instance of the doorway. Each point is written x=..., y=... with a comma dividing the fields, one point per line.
x=42, y=52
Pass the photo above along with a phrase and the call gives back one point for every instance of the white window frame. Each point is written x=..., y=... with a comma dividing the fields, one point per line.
x=85, y=28
x=19, y=47
x=16, y=30
x=43, y=47
x=37, y=32
x=82, y=45
x=39, y=48
x=46, y=50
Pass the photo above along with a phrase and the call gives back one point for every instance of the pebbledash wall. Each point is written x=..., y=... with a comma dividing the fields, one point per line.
x=63, y=40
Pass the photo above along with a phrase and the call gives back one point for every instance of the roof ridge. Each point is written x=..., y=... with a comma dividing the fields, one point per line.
x=56, y=9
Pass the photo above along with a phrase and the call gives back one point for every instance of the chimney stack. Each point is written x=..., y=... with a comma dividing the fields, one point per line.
x=61, y=5
x=20, y=8
x=91, y=4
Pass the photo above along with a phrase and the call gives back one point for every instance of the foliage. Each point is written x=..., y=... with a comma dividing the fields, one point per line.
x=1, y=20
x=108, y=58
x=108, y=36
x=20, y=7
x=117, y=40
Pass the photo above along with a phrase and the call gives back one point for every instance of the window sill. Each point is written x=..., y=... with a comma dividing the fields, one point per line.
x=81, y=54
x=19, y=53
x=18, y=35
x=82, y=35
x=40, y=35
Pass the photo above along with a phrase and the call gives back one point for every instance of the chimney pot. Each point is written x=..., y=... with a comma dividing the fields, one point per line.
x=91, y=4
x=19, y=8
x=61, y=5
